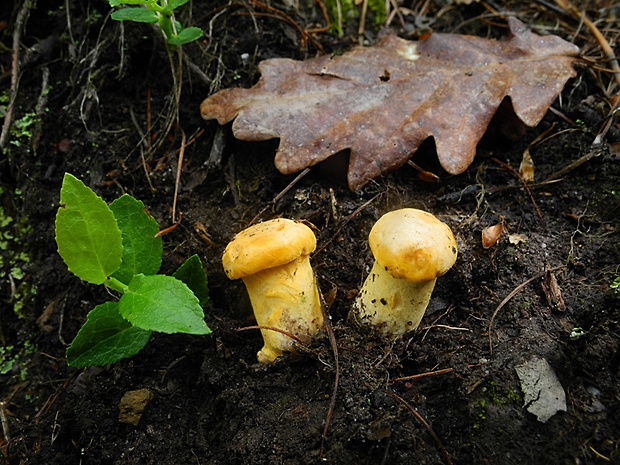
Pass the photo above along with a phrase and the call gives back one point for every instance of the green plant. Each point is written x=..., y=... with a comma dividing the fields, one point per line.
x=160, y=12
x=23, y=127
x=15, y=258
x=117, y=246
x=16, y=359
x=342, y=10
x=615, y=285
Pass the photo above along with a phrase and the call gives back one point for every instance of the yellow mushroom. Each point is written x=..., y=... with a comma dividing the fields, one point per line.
x=273, y=260
x=411, y=249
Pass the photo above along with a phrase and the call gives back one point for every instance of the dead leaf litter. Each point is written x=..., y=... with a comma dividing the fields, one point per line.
x=382, y=102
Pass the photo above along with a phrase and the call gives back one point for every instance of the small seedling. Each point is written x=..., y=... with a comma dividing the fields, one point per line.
x=160, y=12
x=116, y=246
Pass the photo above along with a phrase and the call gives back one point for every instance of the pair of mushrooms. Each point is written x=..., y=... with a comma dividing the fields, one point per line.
x=411, y=249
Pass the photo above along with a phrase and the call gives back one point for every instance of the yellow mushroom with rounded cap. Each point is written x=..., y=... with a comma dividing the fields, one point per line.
x=272, y=259
x=411, y=249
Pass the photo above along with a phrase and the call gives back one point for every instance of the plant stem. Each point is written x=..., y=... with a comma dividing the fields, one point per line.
x=115, y=285
x=165, y=18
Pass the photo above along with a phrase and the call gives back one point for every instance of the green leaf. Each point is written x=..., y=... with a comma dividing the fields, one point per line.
x=105, y=338
x=193, y=274
x=141, y=249
x=114, y=3
x=174, y=4
x=162, y=303
x=88, y=238
x=138, y=15
x=189, y=34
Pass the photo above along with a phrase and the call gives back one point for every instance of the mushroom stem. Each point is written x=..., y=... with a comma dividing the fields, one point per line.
x=285, y=297
x=393, y=305
x=412, y=249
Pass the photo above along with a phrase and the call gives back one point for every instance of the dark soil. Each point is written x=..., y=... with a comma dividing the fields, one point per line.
x=212, y=402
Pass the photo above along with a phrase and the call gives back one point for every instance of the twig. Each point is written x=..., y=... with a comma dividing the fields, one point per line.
x=421, y=419
x=514, y=292
x=325, y=17
x=17, y=36
x=169, y=229
x=271, y=328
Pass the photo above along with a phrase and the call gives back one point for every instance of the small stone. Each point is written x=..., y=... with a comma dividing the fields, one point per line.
x=543, y=393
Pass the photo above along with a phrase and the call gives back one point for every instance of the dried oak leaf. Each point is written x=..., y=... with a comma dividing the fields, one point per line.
x=382, y=102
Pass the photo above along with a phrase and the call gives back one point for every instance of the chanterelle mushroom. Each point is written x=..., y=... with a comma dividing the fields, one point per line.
x=273, y=260
x=411, y=248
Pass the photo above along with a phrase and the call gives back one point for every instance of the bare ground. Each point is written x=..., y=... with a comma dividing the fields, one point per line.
x=212, y=403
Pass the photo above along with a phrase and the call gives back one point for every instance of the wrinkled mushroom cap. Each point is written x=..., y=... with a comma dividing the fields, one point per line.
x=267, y=245
x=413, y=245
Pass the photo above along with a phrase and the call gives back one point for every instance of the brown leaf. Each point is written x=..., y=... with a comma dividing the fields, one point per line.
x=382, y=102
x=527, y=168
x=490, y=235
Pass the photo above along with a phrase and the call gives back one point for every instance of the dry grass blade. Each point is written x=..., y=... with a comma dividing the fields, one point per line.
x=422, y=375
x=608, y=51
x=177, y=180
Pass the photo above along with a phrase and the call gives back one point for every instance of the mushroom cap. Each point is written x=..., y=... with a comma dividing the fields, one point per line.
x=413, y=245
x=267, y=245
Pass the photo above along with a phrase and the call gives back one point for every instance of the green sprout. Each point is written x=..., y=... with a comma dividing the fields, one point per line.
x=118, y=246
x=160, y=12
x=615, y=285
